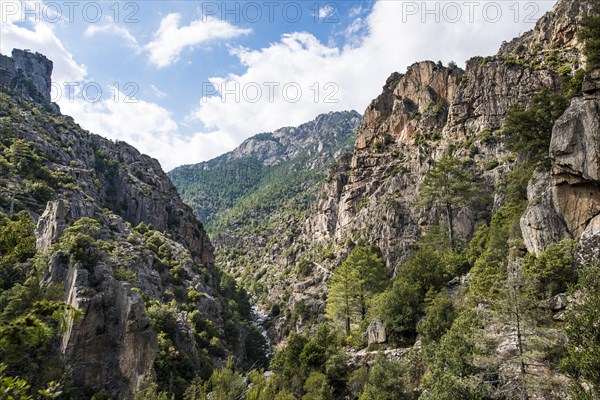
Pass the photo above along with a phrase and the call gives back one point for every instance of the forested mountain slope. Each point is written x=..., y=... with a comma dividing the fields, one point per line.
x=271, y=170
x=454, y=253
x=107, y=279
x=460, y=236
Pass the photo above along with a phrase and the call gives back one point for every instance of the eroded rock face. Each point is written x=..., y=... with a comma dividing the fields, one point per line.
x=489, y=88
x=33, y=66
x=556, y=29
x=575, y=148
x=376, y=332
x=113, y=342
x=571, y=198
x=541, y=224
x=589, y=243
x=411, y=102
x=575, y=151
x=108, y=261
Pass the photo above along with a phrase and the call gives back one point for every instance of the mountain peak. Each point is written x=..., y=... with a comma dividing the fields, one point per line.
x=278, y=146
x=30, y=74
x=557, y=29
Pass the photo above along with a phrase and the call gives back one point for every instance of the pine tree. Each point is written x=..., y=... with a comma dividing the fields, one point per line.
x=342, y=301
x=353, y=284
x=448, y=186
x=590, y=34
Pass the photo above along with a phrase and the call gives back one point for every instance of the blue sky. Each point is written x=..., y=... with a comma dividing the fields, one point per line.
x=205, y=75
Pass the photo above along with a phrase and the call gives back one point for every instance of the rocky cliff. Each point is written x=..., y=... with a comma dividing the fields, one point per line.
x=28, y=73
x=255, y=200
x=129, y=256
x=565, y=202
x=431, y=111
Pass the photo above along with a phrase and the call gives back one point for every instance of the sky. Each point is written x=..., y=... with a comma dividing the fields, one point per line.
x=185, y=81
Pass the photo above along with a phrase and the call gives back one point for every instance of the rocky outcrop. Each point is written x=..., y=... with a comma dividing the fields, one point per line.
x=489, y=88
x=570, y=202
x=555, y=30
x=575, y=152
x=410, y=103
x=139, y=247
x=541, y=224
x=28, y=73
x=376, y=332
x=115, y=344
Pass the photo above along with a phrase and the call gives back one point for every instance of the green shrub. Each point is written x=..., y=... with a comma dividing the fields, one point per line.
x=387, y=381
x=123, y=274
x=590, y=34
x=553, y=270
x=529, y=130
x=439, y=315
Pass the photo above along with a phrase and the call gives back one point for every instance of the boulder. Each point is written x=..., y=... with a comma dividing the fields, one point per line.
x=376, y=332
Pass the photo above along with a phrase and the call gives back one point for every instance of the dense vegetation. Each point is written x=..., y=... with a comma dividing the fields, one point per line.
x=240, y=196
x=455, y=323
x=43, y=157
x=473, y=318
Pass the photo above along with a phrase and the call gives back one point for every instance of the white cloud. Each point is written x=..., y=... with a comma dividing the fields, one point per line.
x=326, y=11
x=111, y=28
x=157, y=91
x=386, y=42
x=171, y=39
x=43, y=39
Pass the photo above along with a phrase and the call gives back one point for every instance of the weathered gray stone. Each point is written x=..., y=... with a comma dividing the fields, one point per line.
x=541, y=225
x=376, y=332
x=588, y=249
x=28, y=65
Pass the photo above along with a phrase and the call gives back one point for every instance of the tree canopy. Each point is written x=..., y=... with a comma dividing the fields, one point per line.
x=353, y=285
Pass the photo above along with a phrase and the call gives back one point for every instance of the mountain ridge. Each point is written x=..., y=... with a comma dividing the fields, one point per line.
x=115, y=249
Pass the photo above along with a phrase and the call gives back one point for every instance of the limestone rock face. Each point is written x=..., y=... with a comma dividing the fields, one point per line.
x=489, y=88
x=140, y=238
x=566, y=202
x=410, y=102
x=589, y=243
x=23, y=66
x=376, y=332
x=541, y=224
x=323, y=225
x=575, y=148
x=114, y=345
x=557, y=29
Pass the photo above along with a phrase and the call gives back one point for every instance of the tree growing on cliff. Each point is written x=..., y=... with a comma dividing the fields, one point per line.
x=590, y=34
x=447, y=186
x=353, y=284
x=583, y=331
x=529, y=130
